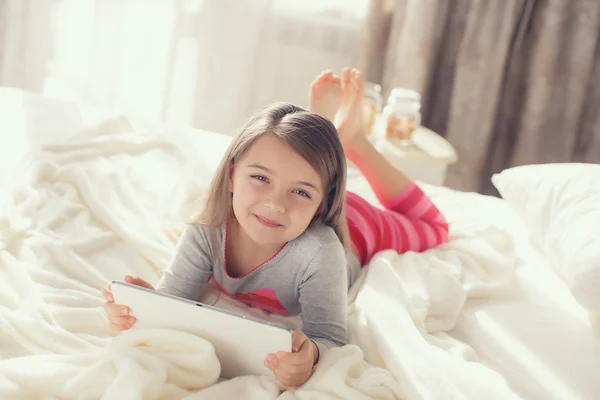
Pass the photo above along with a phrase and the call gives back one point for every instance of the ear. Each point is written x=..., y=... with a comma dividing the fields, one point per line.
x=230, y=177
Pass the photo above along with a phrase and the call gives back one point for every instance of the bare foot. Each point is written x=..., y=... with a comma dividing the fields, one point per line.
x=349, y=118
x=325, y=95
x=346, y=82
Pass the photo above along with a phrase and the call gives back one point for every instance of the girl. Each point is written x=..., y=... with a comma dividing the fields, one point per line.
x=280, y=232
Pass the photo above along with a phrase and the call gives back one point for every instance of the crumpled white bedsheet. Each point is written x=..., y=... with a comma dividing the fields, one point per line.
x=96, y=207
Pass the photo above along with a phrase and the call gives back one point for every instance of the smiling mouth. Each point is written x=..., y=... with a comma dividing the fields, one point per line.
x=267, y=222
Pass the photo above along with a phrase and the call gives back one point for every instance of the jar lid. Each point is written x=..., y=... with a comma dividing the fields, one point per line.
x=373, y=94
x=404, y=94
x=372, y=91
x=372, y=87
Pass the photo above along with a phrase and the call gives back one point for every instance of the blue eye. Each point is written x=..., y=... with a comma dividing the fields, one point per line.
x=302, y=193
x=260, y=178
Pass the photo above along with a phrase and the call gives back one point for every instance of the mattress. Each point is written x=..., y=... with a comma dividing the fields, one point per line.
x=530, y=331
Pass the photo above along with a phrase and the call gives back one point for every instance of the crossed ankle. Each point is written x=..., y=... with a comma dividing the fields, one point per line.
x=355, y=147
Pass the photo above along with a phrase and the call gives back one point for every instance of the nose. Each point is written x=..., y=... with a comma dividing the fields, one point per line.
x=275, y=203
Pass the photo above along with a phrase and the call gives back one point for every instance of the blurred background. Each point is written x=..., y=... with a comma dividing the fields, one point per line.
x=506, y=83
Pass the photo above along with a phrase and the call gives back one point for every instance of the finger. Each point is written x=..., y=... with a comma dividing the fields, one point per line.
x=107, y=293
x=298, y=339
x=291, y=358
x=282, y=355
x=276, y=360
x=125, y=320
x=272, y=361
x=291, y=380
x=116, y=310
x=292, y=369
x=134, y=280
x=303, y=358
x=295, y=363
x=283, y=377
x=143, y=283
x=119, y=328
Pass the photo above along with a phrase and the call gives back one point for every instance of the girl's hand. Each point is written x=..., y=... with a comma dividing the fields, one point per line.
x=293, y=369
x=118, y=315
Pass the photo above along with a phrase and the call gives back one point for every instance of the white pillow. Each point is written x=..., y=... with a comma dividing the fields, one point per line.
x=560, y=204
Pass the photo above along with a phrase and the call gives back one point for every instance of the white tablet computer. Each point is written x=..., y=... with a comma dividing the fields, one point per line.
x=241, y=344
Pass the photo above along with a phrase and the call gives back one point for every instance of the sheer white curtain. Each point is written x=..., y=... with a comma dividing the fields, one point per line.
x=207, y=63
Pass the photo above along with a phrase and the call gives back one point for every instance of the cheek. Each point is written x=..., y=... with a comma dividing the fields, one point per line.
x=248, y=192
x=304, y=211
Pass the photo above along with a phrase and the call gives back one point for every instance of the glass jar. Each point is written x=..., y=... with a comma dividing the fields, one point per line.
x=402, y=114
x=372, y=104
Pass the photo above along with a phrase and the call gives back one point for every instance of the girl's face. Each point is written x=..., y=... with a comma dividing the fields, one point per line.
x=276, y=192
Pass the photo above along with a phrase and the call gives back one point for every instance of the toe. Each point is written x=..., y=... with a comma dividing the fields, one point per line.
x=325, y=76
x=357, y=80
x=316, y=84
x=346, y=76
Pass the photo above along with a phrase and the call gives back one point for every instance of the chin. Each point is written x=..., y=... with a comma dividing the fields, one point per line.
x=263, y=236
x=270, y=237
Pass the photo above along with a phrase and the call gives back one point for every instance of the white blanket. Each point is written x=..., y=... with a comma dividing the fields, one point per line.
x=95, y=208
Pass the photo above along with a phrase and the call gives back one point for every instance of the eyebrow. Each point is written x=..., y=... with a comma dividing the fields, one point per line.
x=304, y=183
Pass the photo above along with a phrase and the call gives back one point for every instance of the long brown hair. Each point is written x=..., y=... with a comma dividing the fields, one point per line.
x=312, y=137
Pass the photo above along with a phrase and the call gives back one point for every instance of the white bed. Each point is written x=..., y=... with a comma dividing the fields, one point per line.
x=481, y=317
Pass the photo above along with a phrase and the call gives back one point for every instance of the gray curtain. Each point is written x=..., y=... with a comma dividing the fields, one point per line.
x=508, y=82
